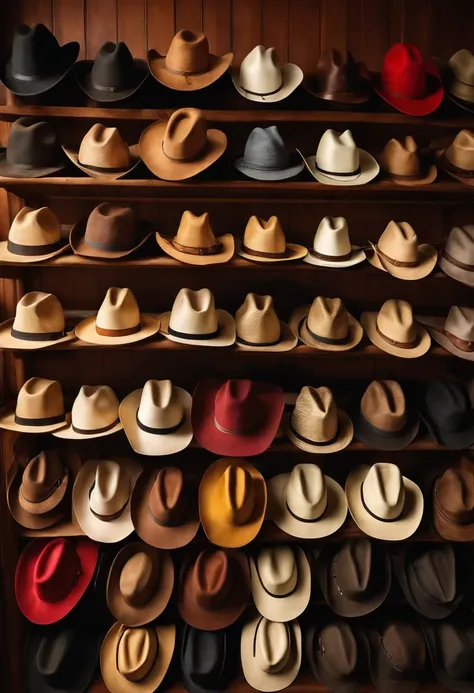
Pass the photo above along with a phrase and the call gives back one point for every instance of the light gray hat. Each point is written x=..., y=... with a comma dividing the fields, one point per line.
x=267, y=158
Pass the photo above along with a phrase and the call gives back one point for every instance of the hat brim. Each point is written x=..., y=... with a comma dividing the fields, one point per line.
x=449, y=683
x=429, y=177
x=86, y=332
x=369, y=435
x=8, y=170
x=427, y=255
x=450, y=532
x=297, y=321
x=399, y=530
x=369, y=323
x=291, y=77
x=294, y=251
x=444, y=164
x=421, y=106
x=331, y=683
x=80, y=246
x=178, y=81
x=396, y=682
x=460, y=275
x=357, y=256
x=73, y=155
x=33, y=87
x=226, y=253
x=7, y=421
x=287, y=341
x=68, y=432
x=369, y=169
x=275, y=174
x=344, y=436
x=435, y=326
x=83, y=74
x=7, y=341
x=226, y=336
x=7, y=256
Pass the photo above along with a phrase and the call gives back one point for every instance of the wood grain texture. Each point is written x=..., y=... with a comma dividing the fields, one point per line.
x=131, y=25
x=68, y=16
x=216, y=24
x=35, y=12
x=247, y=30
x=305, y=34
x=334, y=24
x=98, y=30
x=188, y=15
x=276, y=27
x=160, y=15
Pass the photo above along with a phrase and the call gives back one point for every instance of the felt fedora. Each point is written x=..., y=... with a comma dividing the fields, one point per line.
x=103, y=153
x=447, y=413
x=458, y=158
x=399, y=253
x=136, y=660
x=354, y=576
x=182, y=147
x=306, y=503
x=195, y=242
x=332, y=245
x=208, y=659
x=408, y=82
x=194, y=319
x=35, y=235
x=339, y=78
x=327, y=325
x=113, y=75
x=39, y=408
x=264, y=241
x=157, y=418
x=339, y=161
x=385, y=421
x=267, y=158
x=139, y=584
x=394, y=330
x=270, y=653
x=189, y=65
x=232, y=502
x=262, y=78
x=37, y=63
x=38, y=323
x=101, y=498
x=52, y=575
x=458, y=78
x=397, y=656
x=335, y=654
x=214, y=588
x=453, y=502
x=451, y=649
x=455, y=332
x=118, y=321
x=258, y=327
x=236, y=417
x=457, y=257
x=405, y=164
x=165, y=508
x=94, y=414
x=32, y=150
x=383, y=503
x=281, y=582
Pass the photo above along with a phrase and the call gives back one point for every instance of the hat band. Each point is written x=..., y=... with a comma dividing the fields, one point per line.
x=143, y=678
x=267, y=93
x=25, y=78
x=45, y=421
x=395, y=263
x=88, y=431
x=240, y=340
x=457, y=263
x=192, y=250
x=31, y=250
x=103, y=169
x=37, y=336
x=256, y=167
x=186, y=160
x=323, y=340
x=330, y=258
x=107, y=246
x=376, y=517
x=110, y=90
x=394, y=342
x=406, y=176
x=185, y=74
x=159, y=431
x=261, y=253
x=186, y=335
x=383, y=432
x=461, y=172
x=313, y=442
x=54, y=487
x=254, y=645
x=462, y=344
x=168, y=523
x=339, y=175
x=118, y=333
x=112, y=516
x=305, y=519
x=235, y=431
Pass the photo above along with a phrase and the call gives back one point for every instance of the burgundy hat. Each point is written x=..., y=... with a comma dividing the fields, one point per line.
x=236, y=418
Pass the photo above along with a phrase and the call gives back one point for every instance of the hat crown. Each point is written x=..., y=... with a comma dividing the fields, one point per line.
x=41, y=476
x=111, y=227
x=306, y=491
x=277, y=570
x=337, y=153
x=40, y=398
x=460, y=244
x=264, y=236
x=104, y=148
x=337, y=72
x=461, y=65
x=435, y=570
x=315, y=414
x=110, y=491
x=260, y=71
x=460, y=153
x=112, y=66
x=186, y=135
x=237, y=407
x=328, y=318
x=188, y=53
x=395, y=321
x=383, y=405
x=272, y=646
x=119, y=310
x=460, y=323
x=352, y=568
x=238, y=495
x=160, y=406
x=168, y=499
x=139, y=578
x=55, y=655
x=265, y=149
x=399, y=242
x=338, y=648
x=195, y=231
x=35, y=227
x=332, y=237
x=256, y=320
x=456, y=650
x=32, y=143
x=383, y=491
x=194, y=313
x=56, y=570
x=137, y=652
x=404, y=71
x=212, y=579
x=403, y=645
x=454, y=493
x=39, y=313
x=401, y=159
x=204, y=655
x=35, y=51
x=448, y=403
x=95, y=408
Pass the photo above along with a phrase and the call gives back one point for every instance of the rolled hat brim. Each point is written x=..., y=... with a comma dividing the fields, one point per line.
x=225, y=255
x=294, y=251
x=86, y=332
x=9, y=170
x=80, y=246
x=460, y=275
x=287, y=342
x=435, y=326
x=420, y=106
x=369, y=324
x=39, y=85
x=345, y=433
x=369, y=169
x=298, y=326
x=428, y=257
x=7, y=421
x=291, y=76
x=73, y=155
x=429, y=177
x=68, y=432
x=83, y=74
x=225, y=337
x=178, y=81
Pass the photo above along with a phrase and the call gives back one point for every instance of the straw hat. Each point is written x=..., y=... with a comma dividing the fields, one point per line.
x=383, y=503
x=118, y=321
x=195, y=243
x=336, y=656
x=394, y=330
x=398, y=252
x=35, y=235
x=457, y=257
x=258, y=327
x=326, y=324
x=194, y=319
x=305, y=503
x=450, y=646
x=447, y=412
x=455, y=332
x=38, y=323
x=182, y=147
x=267, y=158
x=32, y=150
x=397, y=656
x=39, y=408
x=458, y=158
x=453, y=502
x=405, y=165
x=340, y=79
x=262, y=78
x=264, y=241
x=104, y=154
x=332, y=246
x=94, y=414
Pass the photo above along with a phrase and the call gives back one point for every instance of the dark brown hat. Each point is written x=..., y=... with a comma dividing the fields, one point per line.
x=339, y=78
x=405, y=164
x=336, y=655
x=397, y=657
x=32, y=150
x=451, y=650
x=453, y=502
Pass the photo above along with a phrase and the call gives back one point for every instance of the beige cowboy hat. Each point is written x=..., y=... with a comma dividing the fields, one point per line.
x=38, y=323
x=455, y=332
x=262, y=78
x=326, y=324
x=458, y=158
x=182, y=147
x=258, y=327
x=399, y=253
x=403, y=163
x=157, y=418
x=194, y=319
x=394, y=330
x=118, y=321
x=39, y=408
x=384, y=504
x=457, y=258
x=264, y=241
x=34, y=236
x=101, y=498
x=461, y=76
x=332, y=245
x=195, y=243
x=94, y=414
x=104, y=154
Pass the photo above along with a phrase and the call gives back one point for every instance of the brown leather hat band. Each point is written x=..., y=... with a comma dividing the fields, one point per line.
x=457, y=263
x=54, y=487
x=85, y=431
x=185, y=74
x=103, y=169
x=32, y=250
x=186, y=335
x=414, y=176
x=337, y=173
x=159, y=431
x=260, y=253
x=461, y=172
x=324, y=340
x=188, y=159
x=37, y=336
x=392, y=261
x=191, y=250
x=45, y=421
x=118, y=333
x=393, y=342
x=462, y=344
x=267, y=93
x=368, y=510
x=330, y=258
x=312, y=442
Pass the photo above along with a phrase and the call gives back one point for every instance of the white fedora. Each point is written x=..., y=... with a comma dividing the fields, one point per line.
x=332, y=245
x=262, y=78
x=38, y=323
x=94, y=414
x=194, y=319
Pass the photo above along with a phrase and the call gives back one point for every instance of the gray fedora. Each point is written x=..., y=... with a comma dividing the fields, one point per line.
x=266, y=157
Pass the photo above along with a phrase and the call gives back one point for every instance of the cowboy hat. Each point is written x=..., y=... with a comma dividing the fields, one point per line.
x=399, y=253
x=157, y=418
x=447, y=412
x=262, y=78
x=397, y=656
x=458, y=78
x=182, y=147
x=94, y=414
x=208, y=659
x=383, y=503
x=258, y=327
x=327, y=325
x=451, y=650
x=32, y=150
x=39, y=408
x=394, y=330
x=339, y=78
x=455, y=332
x=118, y=321
x=195, y=243
x=264, y=241
x=52, y=575
x=38, y=323
x=457, y=257
x=332, y=246
x=453, y=502
x=101, y=498
x=458, y=158
x=188, y=65
x=267, y=158
x=232, y=502
x=35, y=235
x=403, y=163
x=104, y=154
x=335, y=654
x=305, y=503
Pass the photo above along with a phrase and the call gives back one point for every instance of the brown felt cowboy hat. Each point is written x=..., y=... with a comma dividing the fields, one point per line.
x=455, y=332
x=35, y=235
x=104, y=154
x=264, y=241
x=39, y=408
x=258, y=327
x=94, y=414
x=195, y=243
x=339, y=78
x=405, y=164
x=394, y=330
x=458, y=158
x=38, y=323
x=397, y=656
x=453, y=502
x=399, y=253
x=326, y=324
x=336, y=656
x=457, y=257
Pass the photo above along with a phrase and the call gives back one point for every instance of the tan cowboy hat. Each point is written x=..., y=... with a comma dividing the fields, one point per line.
x=457, y=258
x=332, y=245
x=194, y=319
x=458, y=158
x=118, y=321
x=101, y=498
x=264, y=241
x=182, y=147
x=38, y=323
x=394, y=330
x=326, y=324
x=455, y=332
x=39, y=408
x=135, y=660
x=35, y=235
x=258, y=327
x=195, y=242
x=188, y=65
x=262, y=78
x=405, y=165
x=157, y=418
x=384, y=504
x=94, y=414
x=104, y=154
x=232, y=502
x=305, y=503
x=399, y=253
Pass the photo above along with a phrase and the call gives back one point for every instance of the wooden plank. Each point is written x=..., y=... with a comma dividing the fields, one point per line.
x=276, y=26
x=395, y=21
x=188, y=14
x=448, y=36
x=246, y=27
x=305, y=34
x=333, y=24
x=160, y=24
x=374, y=32
x=68, y=18
x=97, y=30
x=416, y=24
x=216, y=24
x=131, y=25
x=36, y=11
x=355, y=28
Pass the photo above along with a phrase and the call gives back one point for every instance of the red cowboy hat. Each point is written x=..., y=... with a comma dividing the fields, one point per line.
x=236, y=418
x=52, y=575
x=409, y=83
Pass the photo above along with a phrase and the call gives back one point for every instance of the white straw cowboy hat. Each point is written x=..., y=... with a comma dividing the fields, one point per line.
x=101, y=498
x=326, y=324
x=383, y=503
x=39, y=408
x=35, y=235
x=394, y=330
x=157, y=418
x=332, y=245
x=194, y=319
x=195, y=243
x=457, y=258
x=305, y=503
x=262, y=78
x=403, y=163
x=103, y=153
x=264, y=241
x=458, y=158
x=94, y=414
x=38, y=323
x=339, y=161
x=118, y=321
x=455, y=332
x=399, y=253
x=258, y=327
